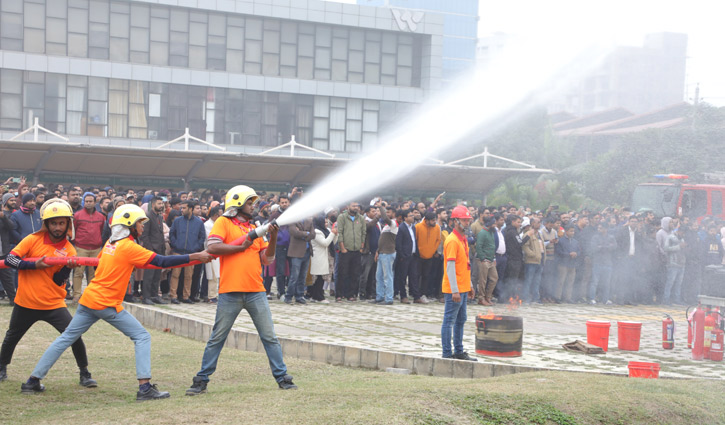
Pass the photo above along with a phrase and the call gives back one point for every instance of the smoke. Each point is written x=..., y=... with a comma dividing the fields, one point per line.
x=520, y=77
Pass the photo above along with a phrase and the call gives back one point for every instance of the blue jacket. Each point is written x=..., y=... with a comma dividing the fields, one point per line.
x=563, y=250
x=187, y=236
x=25, y=224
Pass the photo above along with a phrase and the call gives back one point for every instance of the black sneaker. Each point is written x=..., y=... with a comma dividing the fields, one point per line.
x=152, y=393
x=286, y=383
x=147, y=301
x=187, y=301
x=301, y=301
x=87, y=381
x=198, y=386
x=32, y=387
x=157, y=300
x=3, y=372
x=175, y=301
x=464, y=356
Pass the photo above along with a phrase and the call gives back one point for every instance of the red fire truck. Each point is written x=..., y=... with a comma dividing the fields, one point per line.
x=673, y=196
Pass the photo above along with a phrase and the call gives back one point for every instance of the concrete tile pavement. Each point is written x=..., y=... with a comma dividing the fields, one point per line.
x=415, y=330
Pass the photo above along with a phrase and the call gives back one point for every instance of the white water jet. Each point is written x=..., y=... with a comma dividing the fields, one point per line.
x=490, y=97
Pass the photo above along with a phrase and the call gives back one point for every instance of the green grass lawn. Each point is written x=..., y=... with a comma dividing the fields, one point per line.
x=243, y=391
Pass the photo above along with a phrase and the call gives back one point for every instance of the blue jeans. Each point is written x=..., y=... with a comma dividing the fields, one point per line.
x=384, y=278
x=673, y=284
x=297, y=276
x=82, y=321
x=600, y=274
x=454, y=316
x=532, y=283
x=229, y=306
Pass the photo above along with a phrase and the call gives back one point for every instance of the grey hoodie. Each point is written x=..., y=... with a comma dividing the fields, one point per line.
x=663, y=233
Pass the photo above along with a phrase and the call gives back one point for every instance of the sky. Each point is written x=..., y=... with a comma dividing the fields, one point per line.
x=624, y=23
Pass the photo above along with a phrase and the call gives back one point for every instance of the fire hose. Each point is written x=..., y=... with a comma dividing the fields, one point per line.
x=93, y=261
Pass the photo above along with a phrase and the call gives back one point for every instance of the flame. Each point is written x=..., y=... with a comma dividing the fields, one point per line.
x=514, y=303
x=489, y=315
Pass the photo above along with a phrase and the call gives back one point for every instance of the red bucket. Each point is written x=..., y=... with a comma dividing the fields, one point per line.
x=628, y=334
x=644, y=370
x=598, y=333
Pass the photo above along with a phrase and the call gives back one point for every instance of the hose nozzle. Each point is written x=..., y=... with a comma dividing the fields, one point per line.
x=261, y=230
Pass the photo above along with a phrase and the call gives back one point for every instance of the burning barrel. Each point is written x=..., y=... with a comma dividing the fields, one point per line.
x=499, y=336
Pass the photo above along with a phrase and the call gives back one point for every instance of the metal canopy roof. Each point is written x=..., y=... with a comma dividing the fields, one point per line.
x=168, y=167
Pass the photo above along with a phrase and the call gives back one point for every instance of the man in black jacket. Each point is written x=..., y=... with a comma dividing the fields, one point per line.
x=7, y=276
x=152, y=239
x=513, y=280
x=406, y=252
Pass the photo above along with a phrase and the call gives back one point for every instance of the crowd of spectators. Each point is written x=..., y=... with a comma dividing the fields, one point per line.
x=388, y=250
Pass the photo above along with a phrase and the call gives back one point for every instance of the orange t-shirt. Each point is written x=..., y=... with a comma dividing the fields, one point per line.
x=456, y=248
x=36, y=289
x=115, y=265
x=240, y=272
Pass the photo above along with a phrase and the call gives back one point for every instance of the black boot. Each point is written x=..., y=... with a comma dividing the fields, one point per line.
x=32, y=386
x=86, y=380
x=198, y=386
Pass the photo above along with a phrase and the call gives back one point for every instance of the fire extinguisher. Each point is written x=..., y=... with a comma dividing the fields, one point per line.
x=698, y=333
x=707, y=339
x=688, y=317
x=716, y=348
x=668, y=332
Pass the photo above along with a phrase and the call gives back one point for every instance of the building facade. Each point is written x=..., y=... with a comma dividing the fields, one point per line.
x=246, y=75
x=460, y=28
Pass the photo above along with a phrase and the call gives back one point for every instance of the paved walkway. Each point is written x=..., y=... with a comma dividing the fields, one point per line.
x=415, y=329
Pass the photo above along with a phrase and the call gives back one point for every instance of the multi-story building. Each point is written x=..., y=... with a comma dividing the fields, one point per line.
x=245, y=74
x=460, y=28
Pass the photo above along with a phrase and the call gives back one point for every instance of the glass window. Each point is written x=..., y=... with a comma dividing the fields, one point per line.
x=390, y=42
x=289, y=32
x=140, y=15
x=98, y=35
x=370, y=121
x=270, y=64
x=11, y=25
x=353, y=132
x=305, y=68
x=306, y=45
x=98, y=88
x=119, y=25
x=34, y=40
x=159, y=53
x=56, y=30
x=77, y=45
x=323, y=37
x=355, y=61
x=288, y=55
x=235, y=61
x=253, y=51
x=271, y=41
x=372, y=73
x=197, y=34
x=197, y=57
x=716, y=203
x=217, y=25
x=179, y=20
x=320, y=129
x=387, y=66
x=159, y=29
x=99, y=11
x=140, y=39
x=322, y=58
x=179, y=43
x=119, y=49
x=235, y=38
x=322, y=106
x=253, y=29
x=337, y=119
x=405, y=55
x=15, y=6
x=34, y=16
x=337, y=140
x=372, y=52
x=339, y=48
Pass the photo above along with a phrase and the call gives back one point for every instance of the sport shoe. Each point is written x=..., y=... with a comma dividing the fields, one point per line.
x=464, y=356
x=593, y=302
x=198, y=386
x=152, y=393
x=609, y=302
x=175, y=301
x=286, y=383
x=33, y=386
x=3, y=372
x=87, y=381
x=301, y=301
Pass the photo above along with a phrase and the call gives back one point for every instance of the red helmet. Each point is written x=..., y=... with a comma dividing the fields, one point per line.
x=460, y=212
